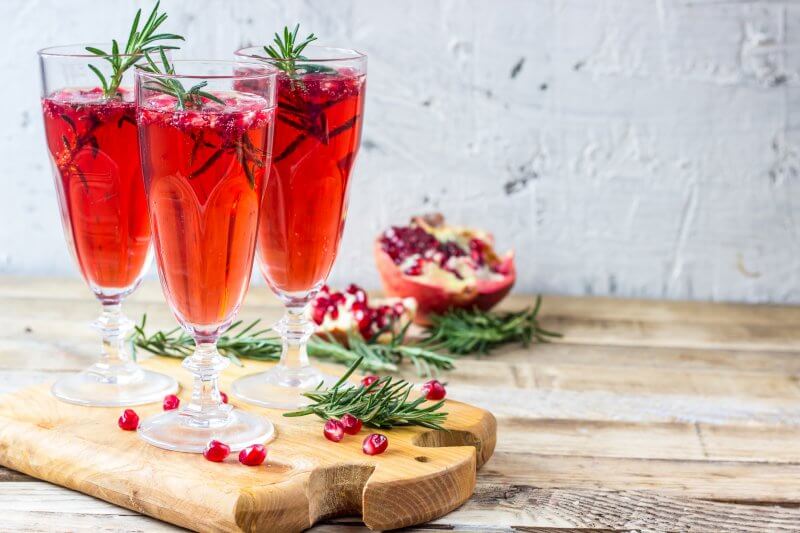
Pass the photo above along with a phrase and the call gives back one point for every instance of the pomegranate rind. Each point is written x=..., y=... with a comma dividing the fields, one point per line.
x=437, y=298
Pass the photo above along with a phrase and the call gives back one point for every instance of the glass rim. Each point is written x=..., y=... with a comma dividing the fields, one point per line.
x=79, y=51
x=353, y=54
x=267, y=71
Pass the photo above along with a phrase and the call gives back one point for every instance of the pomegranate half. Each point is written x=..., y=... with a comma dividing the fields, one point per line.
x=442, y=267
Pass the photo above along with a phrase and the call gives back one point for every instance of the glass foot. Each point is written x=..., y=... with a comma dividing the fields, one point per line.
x=172, y=430
x=280, y=387
x=97, y=390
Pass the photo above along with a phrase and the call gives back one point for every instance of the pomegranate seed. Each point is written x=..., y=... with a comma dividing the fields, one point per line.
x=375, y=444
x=318, y=314
x=352, y=288
x=433, y=390
x=359, y=306
x=223, y=397
x=216, y=451
x=333, y=430
x=415, y=269
x=366, y=381
x=352, y=425
x=337, y=298
x=324, y=289
x=171, y=402
x=333, y=311
x=398, y=308
x=253, y=455
x=129, y=421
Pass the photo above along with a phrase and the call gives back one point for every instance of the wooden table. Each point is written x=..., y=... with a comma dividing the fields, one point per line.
x=648, y=415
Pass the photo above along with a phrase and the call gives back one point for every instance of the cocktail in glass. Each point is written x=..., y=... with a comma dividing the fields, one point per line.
x=205, y=161
x=317, y=135
x=93, y=147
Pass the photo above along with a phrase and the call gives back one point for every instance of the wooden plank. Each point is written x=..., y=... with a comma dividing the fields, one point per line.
x=39, y=506
x=725, y=481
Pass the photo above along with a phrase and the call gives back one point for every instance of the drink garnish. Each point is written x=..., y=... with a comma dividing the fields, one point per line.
x=140, y=42
x=192, y=97
x=289, y=50
x=383, y=404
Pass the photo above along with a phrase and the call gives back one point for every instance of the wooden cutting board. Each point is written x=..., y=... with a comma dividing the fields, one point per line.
x=423, y=475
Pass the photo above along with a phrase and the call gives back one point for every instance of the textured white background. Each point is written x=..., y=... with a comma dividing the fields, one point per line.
x=630, y=147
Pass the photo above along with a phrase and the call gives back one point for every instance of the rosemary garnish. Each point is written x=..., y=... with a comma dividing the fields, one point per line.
x=471, y=331
x=140, y=42
x=193, y=97
x=261, y=345
x=384, y=404
x=287, y=50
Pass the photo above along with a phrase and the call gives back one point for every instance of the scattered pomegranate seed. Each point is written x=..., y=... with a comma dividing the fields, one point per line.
x=366, y=381
x=223, y=397
x=324, y=289
x=398, y=309
x=253, y=455
x=216, y=451
x=337, y=298
x=333, y=430
x=129, y=421
x=171, y=402
x=333, y=311
x=433, y=390
x=375, y=444
x=351, y=424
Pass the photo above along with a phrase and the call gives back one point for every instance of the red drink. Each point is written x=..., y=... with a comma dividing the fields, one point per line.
x=95, y=152
x=204, y=172
x=316, y=140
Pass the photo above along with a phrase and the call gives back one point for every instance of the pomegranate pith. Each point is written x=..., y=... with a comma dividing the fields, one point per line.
x=351, y=424
x=253, y=455
x=433, y=390
x=216, y=451
x=129, y=421
x=171, y=402
x=337, y=313
x=333, y=430
x=375, y=444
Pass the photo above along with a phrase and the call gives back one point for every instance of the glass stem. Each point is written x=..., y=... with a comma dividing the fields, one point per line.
x=115, y=365
x=295, y=330
x=205, y=409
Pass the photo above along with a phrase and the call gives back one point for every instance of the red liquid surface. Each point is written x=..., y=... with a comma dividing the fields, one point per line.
x=204, y=197
x=316, y=140
x=94, y=148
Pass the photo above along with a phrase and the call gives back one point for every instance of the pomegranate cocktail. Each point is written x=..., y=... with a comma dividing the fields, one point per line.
x=205, y=149
x=317, y=135
x=90, y=126
x=204, y=172
x=94, y=147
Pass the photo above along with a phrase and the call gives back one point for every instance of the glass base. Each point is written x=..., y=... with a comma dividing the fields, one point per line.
x=280, y=387
x=173, y=430
x=97, y=390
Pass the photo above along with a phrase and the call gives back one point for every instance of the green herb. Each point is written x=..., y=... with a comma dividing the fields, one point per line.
x=384, y=404
x=287, y=50
x=259, y=344
x=193, y=97
x=474, y=331
x=140, y=42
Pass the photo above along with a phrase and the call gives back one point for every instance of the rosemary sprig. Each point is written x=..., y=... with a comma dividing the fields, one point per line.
x=250, y=342
x=140, y=42
x=474, y=331
x=192, y=97
x=384, y=404
x=287, y=50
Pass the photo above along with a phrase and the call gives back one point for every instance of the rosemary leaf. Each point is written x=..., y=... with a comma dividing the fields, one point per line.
x=384, y=404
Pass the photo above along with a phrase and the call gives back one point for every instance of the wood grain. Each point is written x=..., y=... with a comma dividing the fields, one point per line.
x=307, y=478
x=647, y=416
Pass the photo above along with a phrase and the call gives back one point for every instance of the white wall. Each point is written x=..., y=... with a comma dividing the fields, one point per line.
x=631, y=147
